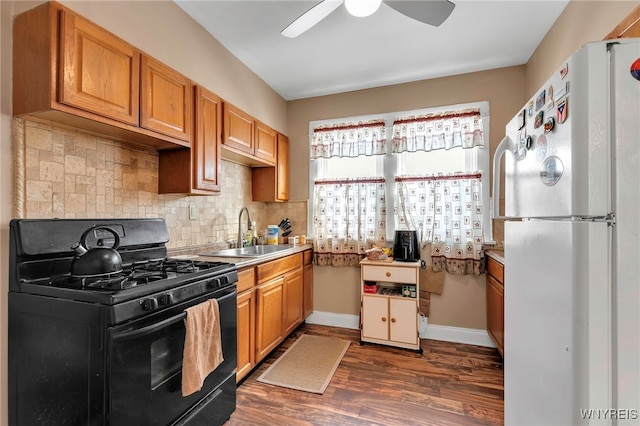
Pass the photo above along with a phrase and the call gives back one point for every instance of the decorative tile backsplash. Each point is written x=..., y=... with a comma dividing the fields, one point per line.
x=67, y=173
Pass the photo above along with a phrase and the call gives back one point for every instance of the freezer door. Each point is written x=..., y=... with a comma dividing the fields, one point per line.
x=556, y=168
x=557, y=353
x=627, y=230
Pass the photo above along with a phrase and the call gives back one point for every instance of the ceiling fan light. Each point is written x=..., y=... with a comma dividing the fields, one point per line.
x=362, y=8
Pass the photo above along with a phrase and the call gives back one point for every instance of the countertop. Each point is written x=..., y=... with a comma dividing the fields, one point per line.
x=244, y=262
x=497, y=255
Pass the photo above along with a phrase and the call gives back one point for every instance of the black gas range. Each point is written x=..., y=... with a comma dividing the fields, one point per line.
x=96, y=332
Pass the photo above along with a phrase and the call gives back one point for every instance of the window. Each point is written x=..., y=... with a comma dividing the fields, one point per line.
x=330, y=161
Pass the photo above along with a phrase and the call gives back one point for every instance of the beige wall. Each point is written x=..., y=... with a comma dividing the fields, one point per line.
x=462, y=303
x=581, y=22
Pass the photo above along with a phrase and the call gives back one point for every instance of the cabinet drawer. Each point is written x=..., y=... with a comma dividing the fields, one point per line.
x=246, y=280
x=274, y=268
x=389, y=274
x=496, y=269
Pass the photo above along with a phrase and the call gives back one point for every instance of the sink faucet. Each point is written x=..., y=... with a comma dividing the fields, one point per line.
x=249, y=226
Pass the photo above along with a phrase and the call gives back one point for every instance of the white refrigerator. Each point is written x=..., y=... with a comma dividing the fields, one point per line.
x=572, y=244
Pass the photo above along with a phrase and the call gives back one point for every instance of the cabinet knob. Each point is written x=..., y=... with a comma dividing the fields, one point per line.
x=388, y=274
x=393, y=320
x=384, y=319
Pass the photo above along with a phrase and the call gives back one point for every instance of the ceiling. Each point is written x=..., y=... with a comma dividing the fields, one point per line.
x=344, y=53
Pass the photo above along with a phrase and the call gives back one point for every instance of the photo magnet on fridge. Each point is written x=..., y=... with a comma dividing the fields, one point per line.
x=562, y=110
x=538, y=121
x=540, y=100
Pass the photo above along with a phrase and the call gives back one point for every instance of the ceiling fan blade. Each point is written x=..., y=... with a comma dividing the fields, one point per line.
x=311, y=17
x=432, y=12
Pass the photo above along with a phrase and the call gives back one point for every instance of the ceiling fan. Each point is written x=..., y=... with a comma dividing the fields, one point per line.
x=432, y=12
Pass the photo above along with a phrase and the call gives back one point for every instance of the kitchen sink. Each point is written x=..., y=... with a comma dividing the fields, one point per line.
x=251, y=251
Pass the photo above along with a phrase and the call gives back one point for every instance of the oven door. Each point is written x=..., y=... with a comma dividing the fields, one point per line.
x=145, y=365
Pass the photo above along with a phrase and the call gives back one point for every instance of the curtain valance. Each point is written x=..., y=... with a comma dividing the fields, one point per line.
x=349, y=140
x=438, y=131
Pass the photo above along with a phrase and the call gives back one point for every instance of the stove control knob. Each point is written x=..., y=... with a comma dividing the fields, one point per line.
x=166, y=299
x=214, y=282
x=149, y=304
x=224, y=280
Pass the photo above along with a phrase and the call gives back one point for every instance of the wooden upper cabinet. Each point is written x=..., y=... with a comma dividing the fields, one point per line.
x=272, y=183
x=68, y=70
x=196, y=170
x=282, y=169
x=100, y=71
x=628, y=27
x=207, y=141
x=238, y=129
x=165, y=100
x=265, y=142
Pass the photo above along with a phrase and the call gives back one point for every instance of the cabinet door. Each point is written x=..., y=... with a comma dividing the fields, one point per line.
x=282, y=169
x=165, y=100
x=495, y=312
x=269, y=300
x=403, y=320
x=293, y=288
x=375, y=317
x=308, y=291
x=206, y=144
x=99, y=72
x=265, y=142
x=238, y=129
x=246, y=334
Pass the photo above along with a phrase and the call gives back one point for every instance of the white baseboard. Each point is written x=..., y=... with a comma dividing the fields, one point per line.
x=335, y=320
x=469, y=336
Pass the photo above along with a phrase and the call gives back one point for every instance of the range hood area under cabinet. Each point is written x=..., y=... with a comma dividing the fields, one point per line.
x=68, y=70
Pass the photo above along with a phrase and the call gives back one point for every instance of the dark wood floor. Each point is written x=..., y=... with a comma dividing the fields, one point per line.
x=448, y=384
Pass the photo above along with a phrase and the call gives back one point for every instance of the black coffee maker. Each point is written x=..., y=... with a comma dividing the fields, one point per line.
x=406, y=247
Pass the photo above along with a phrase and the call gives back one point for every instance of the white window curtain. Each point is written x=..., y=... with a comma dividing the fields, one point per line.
x=349, y=218
x=438, y=131
x=349, y=140
x=448, y=212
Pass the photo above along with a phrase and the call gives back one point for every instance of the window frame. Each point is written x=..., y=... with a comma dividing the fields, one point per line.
x=475, y=159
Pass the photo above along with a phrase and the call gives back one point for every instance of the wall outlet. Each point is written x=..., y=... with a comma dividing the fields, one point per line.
x=193, y=212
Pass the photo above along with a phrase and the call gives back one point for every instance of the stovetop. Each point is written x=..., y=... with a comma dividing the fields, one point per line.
x=141, y=273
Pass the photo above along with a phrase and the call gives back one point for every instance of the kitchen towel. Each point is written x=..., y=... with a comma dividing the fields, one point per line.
x=430, y=281
x=202, y=345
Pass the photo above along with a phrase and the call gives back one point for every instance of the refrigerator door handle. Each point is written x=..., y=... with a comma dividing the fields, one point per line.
x=506, y=144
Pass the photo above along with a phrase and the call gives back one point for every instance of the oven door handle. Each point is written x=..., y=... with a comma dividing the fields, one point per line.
x=150, y=328
x=159, y=325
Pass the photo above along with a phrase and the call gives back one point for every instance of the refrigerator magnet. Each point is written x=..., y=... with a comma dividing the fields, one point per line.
x=564, y=70
x=530, y=109
x=549, y=124
x=521, y=120
x=635, y=69
x=550, y=104
x=538, y=120
x=562, y=111
x=540, y=100
x=541, y=147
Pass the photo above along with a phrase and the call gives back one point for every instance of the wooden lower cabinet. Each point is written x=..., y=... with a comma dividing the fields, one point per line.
x=273, y=299
x=292, y=301
x=307, y=298
x=246, y=316
x=269, y=304
x=495, y=303
x=246, y=334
